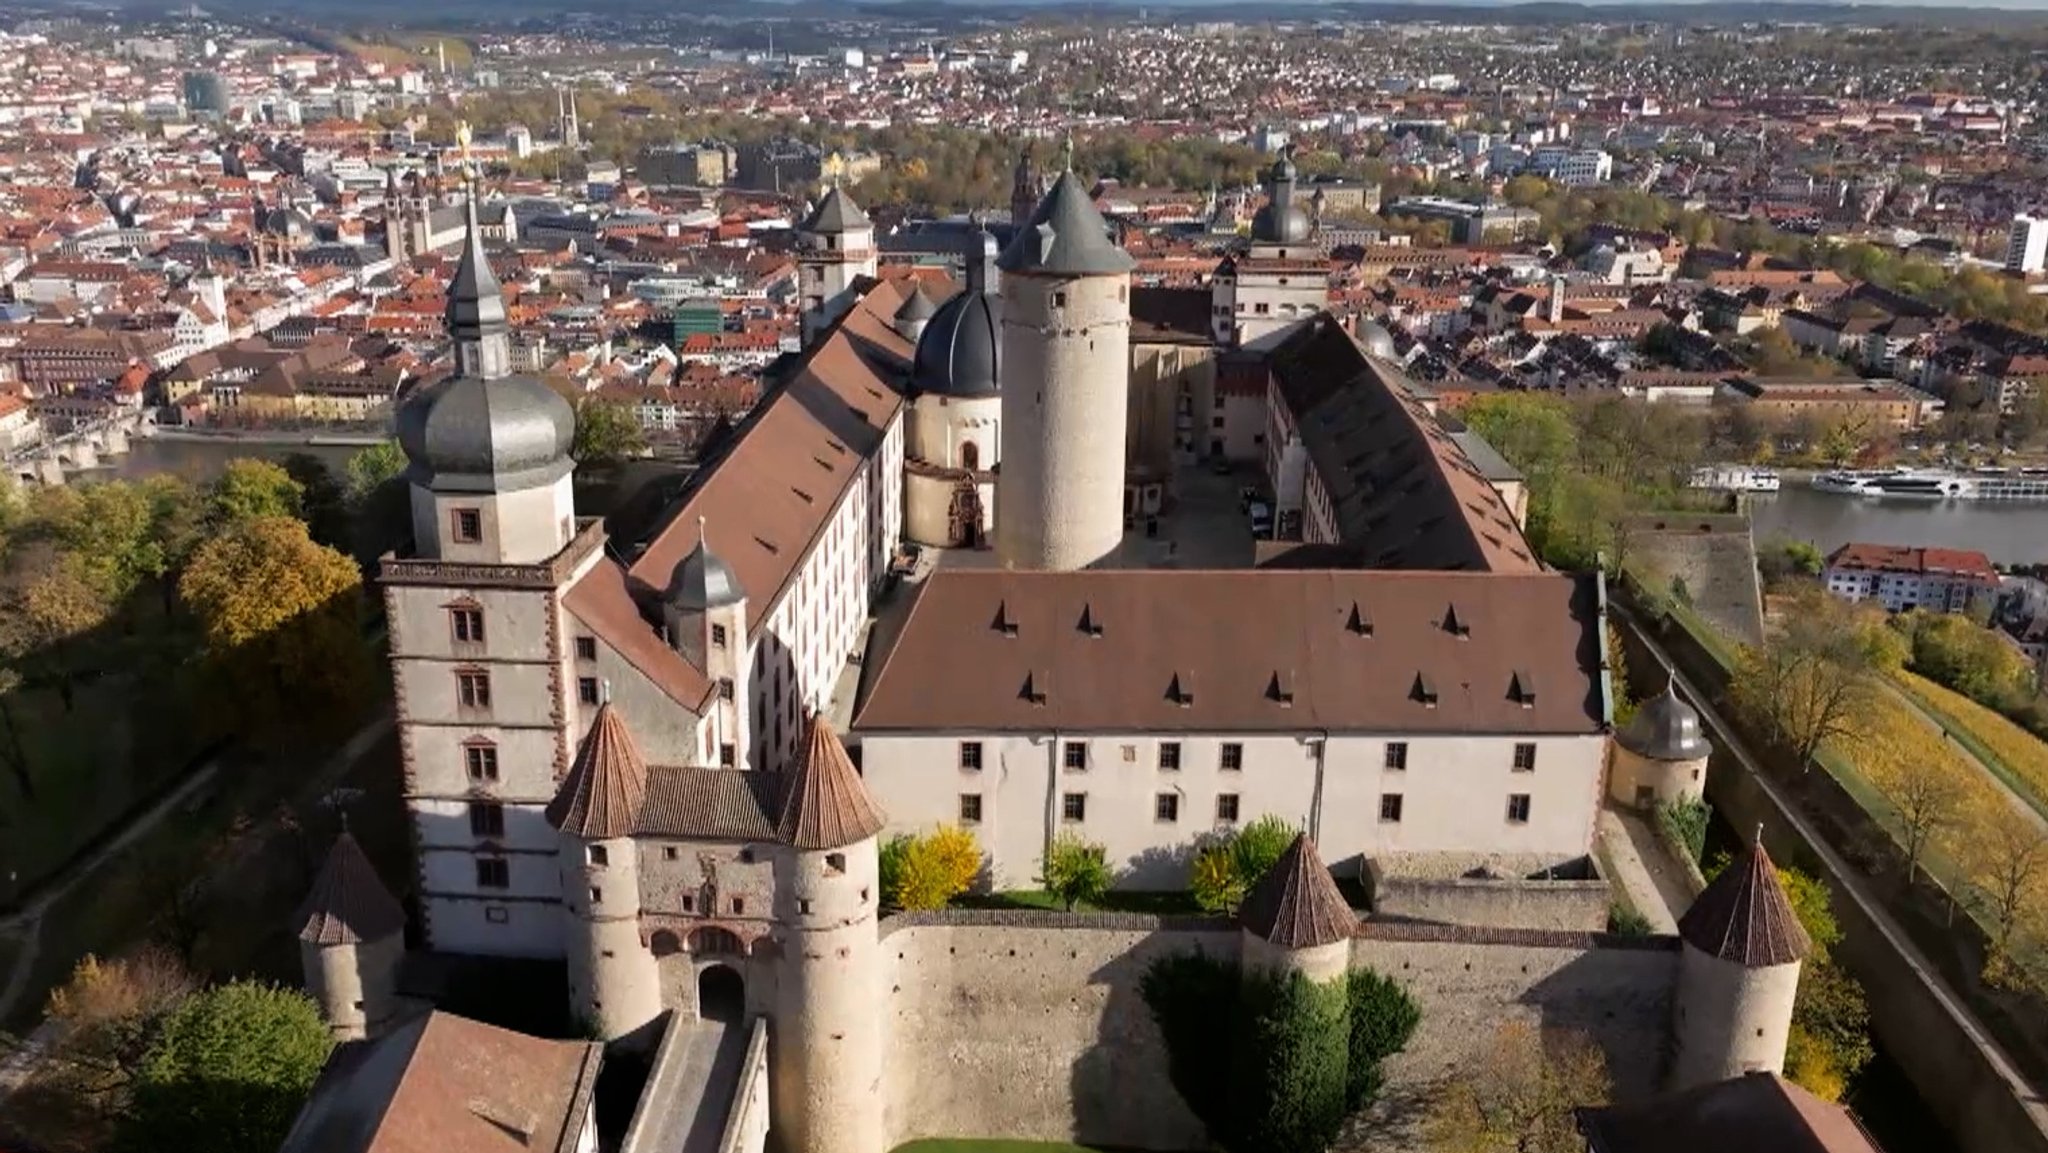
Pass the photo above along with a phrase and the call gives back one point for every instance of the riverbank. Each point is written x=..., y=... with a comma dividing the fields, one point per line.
x=266, y=436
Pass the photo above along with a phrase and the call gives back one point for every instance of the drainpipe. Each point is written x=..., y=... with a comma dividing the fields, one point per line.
x=1315, y=806
x=1052, y=793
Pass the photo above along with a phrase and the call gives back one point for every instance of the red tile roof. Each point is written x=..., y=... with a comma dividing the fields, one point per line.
x=1898, y=558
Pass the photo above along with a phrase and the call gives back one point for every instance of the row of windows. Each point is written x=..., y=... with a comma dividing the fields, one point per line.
x=1166, y=808
x=1229, y=756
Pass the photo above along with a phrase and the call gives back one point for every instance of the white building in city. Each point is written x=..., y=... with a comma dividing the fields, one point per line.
x=2026, y=248
x=1902, y=577
x=1280, y=279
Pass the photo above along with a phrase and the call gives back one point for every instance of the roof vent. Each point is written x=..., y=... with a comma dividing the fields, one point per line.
x=1424, y=690
x=1522, y=689
x=1453, y=625
x=1037, y=684
x=1003, y=623
x=1181, y=690
x=1359, y=624
x=1280, y=689
x=1088, y=624
x=519, y=1123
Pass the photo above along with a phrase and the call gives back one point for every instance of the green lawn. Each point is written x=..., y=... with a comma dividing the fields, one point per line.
x=1177, y=901
x=964, y=1145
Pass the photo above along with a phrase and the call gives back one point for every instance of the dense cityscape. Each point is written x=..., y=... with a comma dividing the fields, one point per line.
x=867, y=578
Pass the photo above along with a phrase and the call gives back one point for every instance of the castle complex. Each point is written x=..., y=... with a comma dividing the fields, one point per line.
x=627, y=755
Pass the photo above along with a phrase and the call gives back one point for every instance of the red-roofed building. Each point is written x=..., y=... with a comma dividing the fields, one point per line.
x=1901, y=577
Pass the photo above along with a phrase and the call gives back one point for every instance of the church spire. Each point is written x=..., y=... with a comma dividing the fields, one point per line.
x=476, y=307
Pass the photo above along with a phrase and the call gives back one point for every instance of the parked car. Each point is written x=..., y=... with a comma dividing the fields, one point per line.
x=1262, y=519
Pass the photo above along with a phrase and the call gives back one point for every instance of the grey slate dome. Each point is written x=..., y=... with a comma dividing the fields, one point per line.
x=1665, y=729
x=286, y=221
x=466, y=434
x=961, y=351
x=702, y=581
x=1065, y=236
x=1376, y=340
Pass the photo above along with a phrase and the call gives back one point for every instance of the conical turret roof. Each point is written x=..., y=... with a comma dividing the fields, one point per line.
x=1296, y=905
x=835, y=214
x=826, y=806
x=1066, y=236
x=602, y=795
x=919, y=305
x=1745, y=916
x=349, y=904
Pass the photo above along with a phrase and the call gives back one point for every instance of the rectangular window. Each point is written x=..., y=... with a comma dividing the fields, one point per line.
x=586, y=690
x=467, y=625
x=486, y=819
x=1390, y=809
x=1226, y=807
x=970, y=808
x=1525, y=757
x=1169, y=756
x=597, y=855
x=970, y=755
x=1231, y=757
x=1074, y=807
x=1166, y=808
x=466, y=525
x=1075, y=755
x=727, y=756
x=1059, y=300
x=473, y=689
x=482, y=762
x=725, y=688
x=586, y=648
x=717, y=636
x=1518, y=808
x=493, y=873
x=1397, y=755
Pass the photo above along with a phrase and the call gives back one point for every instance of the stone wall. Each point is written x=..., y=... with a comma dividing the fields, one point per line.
x=1575, y=900
x=1032, y=1026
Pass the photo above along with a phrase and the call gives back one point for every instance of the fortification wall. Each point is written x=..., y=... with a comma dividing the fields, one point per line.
x=1032, y=1026
x=1574, y=905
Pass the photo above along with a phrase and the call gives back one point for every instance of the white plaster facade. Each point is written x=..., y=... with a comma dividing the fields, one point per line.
x=950, y=442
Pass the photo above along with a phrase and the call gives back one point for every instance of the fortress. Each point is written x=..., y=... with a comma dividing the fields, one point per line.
x=623, y=755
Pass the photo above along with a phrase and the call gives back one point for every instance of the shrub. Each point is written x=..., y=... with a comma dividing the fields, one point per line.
x=1623, y=920
x=1230, y=864
x=1383, y=1018
x=228, y=1071
x=890, y=863
x=1075, y=870
x=1685, y=822
x=930, y=870
x=1186, y=992
x=1290, y=1065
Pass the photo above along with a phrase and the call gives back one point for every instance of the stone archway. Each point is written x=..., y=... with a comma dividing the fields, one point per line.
x=721, y=994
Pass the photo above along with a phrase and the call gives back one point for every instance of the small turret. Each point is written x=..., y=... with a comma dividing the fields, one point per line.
x=827, y=1090
x=913, y=314
x=1296, y=920
x=614, y=985
x=1660, y=756
x=351, y=937
x=1738, y=974
x=705, y=609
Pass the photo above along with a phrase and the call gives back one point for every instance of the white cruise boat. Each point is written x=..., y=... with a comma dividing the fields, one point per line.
x=1937, y=484
x=1735, y=478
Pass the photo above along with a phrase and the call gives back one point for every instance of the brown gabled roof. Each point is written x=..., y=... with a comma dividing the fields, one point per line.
x=1745, y=916
x=1296, y=905
x=702, y=804
x=349, y=903
x=1335, y=649
x=1761, y=1112
x=602, y=795
x=826, y=806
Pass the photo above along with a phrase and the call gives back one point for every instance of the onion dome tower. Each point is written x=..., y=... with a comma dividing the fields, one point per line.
x=1067, y=335
x=613, y=983
x=1280, y=221
x=705, y=609
x=351, y=937
x=1738, y=974
x=1660, y=756
x=1295, y=919
x=489, y=450
x=827, y=1088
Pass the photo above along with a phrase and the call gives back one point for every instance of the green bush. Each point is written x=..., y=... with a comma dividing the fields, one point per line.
x=1383, y=1018
x=1623, y=920
x=1186, y=993
x=1229, y=865
x=228, y=1072
x=1685, y=822
x=1075, y=870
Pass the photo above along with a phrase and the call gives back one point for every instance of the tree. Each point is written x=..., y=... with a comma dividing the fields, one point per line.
x=105, y=1017
x=931, y=870
x=323, y=503
x=1928, y=800
x=1812, y=682
x=368, y=470
x=1383, y=1018
x=228, y=1071
x=1290, y=1064
x=2006, y=855
x=253, y=489
x=1227, y=867
x=606, y=433
x=1075, y=870
x=1517, y=1094
x=50, y=606
x=281, y=616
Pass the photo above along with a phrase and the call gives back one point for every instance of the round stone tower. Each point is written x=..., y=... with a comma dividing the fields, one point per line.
x=826, y=1091
x=351, y=936
x=613, y=983
x=1660, y=756
x=1066, y=351
x=1295, y=920
x=1738, y=974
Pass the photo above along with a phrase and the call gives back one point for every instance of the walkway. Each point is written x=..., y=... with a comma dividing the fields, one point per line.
x=18, y=1066
x=1654, y=884
x=700, y=1097
x=1856, y=887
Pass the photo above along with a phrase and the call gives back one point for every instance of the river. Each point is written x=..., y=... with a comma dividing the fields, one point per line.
x=2009, y=532
x=203, y=460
